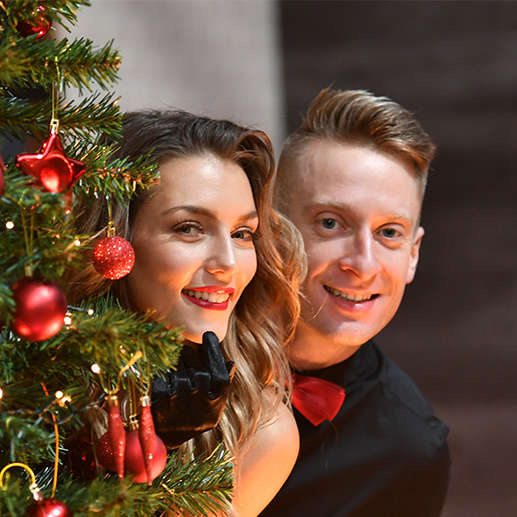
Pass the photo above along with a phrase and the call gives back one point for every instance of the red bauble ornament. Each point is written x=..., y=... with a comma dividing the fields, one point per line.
x=134, y=461
x=48, y=508
x=51, y=167
x=40, y=24
x=2, y=170
x=113, y=257
x=40, y=309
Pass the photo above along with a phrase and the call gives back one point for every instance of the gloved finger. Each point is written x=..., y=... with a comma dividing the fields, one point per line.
x=179, y=381
x=161, y=387
x=214, y=359
x=230, y=367
x=201, y=380
x=184, y=386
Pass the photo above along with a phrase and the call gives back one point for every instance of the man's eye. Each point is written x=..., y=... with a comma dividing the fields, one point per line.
x=390, y=233
x=329, y=224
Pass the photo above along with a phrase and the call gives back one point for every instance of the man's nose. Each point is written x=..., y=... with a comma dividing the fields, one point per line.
x=360, y=256
x=221, y=261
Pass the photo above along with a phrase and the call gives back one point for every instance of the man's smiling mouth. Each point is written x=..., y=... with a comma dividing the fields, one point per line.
x=350, y=297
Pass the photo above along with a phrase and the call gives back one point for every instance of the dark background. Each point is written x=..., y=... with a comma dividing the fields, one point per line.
x=454, y=64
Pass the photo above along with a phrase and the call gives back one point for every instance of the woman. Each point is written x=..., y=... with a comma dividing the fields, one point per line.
x=212, y=255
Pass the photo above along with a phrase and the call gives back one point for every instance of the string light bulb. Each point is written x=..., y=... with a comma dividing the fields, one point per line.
x=95, y=368
x=1, y=393
x=9, y=225
x=68, y=318
x=64, y=400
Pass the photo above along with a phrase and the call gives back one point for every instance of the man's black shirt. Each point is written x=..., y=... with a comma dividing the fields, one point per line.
x=384, y=455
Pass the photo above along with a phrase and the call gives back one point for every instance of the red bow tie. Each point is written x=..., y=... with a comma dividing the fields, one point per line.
x=316, y=399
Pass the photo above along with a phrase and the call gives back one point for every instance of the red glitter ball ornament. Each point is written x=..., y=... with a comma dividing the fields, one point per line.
x=40, y=309
x=39, y=24
x=51, y=167
x=48, y=508
x=113, y=257
x=134, y=456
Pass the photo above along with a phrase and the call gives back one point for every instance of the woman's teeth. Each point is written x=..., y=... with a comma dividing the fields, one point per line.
x=349, y=297
x=209, y=297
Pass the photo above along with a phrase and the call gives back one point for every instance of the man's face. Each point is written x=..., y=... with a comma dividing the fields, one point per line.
x=358, y=212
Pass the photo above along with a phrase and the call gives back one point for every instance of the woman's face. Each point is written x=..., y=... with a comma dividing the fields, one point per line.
x=193, y=240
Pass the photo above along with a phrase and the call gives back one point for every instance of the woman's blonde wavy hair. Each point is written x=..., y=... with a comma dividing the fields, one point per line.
x=264, y=318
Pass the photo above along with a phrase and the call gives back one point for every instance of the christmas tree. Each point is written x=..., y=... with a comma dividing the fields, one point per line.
x=53, y=355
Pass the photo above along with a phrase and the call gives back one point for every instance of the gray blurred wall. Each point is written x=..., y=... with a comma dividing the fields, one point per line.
x=215, y=57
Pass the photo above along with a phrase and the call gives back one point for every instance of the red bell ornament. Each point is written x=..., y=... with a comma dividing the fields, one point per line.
x=117, y=434
x=113, y=257
x=48, y=508
x=147, y=436
x=51, y=167
x=134, y=462
x=40, y=309
x=39, y=24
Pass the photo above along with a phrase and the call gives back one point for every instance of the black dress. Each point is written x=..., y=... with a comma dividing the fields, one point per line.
x=384, y=455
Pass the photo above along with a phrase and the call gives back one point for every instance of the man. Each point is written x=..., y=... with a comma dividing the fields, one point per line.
x=352, y=179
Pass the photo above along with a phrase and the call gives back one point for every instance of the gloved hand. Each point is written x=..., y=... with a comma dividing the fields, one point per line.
x=192, y=398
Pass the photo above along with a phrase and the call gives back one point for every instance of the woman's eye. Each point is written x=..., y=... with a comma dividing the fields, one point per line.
x=244, y=234
x=329, y=223
x=188, y=229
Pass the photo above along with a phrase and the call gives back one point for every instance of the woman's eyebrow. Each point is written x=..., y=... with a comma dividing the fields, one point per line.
x=206, y=212
x=189, y=208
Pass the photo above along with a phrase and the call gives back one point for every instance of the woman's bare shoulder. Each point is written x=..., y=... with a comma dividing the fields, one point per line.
x=265, y=462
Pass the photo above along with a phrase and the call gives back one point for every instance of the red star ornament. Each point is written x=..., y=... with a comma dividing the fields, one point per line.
x=51, y=167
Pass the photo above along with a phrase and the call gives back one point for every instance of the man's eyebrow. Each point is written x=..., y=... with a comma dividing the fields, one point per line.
x=206, y=212
x=344, y=207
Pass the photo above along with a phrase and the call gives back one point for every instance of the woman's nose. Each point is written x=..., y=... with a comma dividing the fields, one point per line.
x=222, y=258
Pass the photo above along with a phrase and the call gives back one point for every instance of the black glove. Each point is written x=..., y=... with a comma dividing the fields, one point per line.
x=192, y=398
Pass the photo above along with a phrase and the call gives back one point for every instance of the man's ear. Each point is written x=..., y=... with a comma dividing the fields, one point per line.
x=414, y=254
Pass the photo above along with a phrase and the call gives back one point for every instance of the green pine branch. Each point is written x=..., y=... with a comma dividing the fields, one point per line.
x=110, y=337
x=77, y=119
x=25, y=62
x=108, y=176
x=199, y=487
x=42, y=235
x=203, y=489
x=62, y=12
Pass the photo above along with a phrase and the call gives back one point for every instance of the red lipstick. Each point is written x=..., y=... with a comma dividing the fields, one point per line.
x=212, y=289
x=207, y=304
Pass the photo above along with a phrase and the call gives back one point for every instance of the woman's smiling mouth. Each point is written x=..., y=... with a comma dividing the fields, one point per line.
x=209, y=297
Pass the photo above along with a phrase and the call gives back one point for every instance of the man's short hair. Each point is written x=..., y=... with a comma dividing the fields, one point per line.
x=357, y=117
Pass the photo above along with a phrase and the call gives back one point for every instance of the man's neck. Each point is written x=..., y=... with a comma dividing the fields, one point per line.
x=312, y=351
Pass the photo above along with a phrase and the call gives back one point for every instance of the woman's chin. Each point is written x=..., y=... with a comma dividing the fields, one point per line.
x=196, y=337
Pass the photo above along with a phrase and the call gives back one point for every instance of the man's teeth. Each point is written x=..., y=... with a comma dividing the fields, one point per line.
x=209, y=297
x=349, y=297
